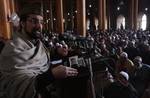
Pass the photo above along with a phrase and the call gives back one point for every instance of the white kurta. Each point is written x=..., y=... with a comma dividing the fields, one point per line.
x=20, y=62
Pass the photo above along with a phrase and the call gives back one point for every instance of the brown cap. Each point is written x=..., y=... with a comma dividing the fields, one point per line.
x=31, y=9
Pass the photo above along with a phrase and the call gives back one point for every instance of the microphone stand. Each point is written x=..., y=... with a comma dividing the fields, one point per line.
x=91, y=77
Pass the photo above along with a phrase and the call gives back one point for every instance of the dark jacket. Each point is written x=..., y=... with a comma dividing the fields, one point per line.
x=117, y=90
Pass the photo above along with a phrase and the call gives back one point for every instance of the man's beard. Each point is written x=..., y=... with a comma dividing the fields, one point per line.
x=35, y=34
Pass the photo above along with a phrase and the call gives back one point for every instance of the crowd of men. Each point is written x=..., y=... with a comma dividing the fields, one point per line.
x=129, y=50
x=44, y=65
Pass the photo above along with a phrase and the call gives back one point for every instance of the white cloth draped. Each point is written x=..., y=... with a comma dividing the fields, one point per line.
x=20, y=62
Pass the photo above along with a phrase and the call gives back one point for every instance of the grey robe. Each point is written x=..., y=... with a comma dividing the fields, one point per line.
x=20, y=62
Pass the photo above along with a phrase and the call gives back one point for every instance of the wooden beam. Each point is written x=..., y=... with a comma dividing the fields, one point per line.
x=59, y=17
x=81, y=17
x=102, y=14
x=133, y=14
x=4, y=23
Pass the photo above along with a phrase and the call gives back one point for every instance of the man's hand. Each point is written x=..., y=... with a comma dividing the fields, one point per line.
x=61, y=71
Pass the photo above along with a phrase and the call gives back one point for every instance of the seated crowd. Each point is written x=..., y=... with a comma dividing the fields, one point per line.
x=129, y=51
x=110, y=64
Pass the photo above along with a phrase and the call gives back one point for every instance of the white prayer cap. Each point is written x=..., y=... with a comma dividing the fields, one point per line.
x=58, y=45
x=138, y=59
x=63, y=42
x=125, y=75
x=124, y=54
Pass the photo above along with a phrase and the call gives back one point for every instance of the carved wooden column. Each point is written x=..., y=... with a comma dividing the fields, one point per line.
x=4, y=23
x=102, y=14
x=12, y=5
x=81, y=17
x=108, y=14
x=133, y=14
x=59, y=17
x=45, y=6
x=51, y=16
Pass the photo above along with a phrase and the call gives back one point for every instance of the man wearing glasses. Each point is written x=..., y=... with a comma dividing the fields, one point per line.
x=24, y=61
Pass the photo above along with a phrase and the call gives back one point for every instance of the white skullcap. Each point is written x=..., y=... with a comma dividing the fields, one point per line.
x=138, y=59
x=63, y=42
x=58, y=45
x=124, y=54
x=124, y=74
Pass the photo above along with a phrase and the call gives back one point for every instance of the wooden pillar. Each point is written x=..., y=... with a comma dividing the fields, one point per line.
x=136, y=14
x=148, y=21
x=11, y=9
x=12, y=6
x=45, y=7
x=102, y=14
x=16, y=5
x=108, y=14
x=133, y=14
x=81, y=17
x=51, y=16
x=4, y=23
x=59, y=17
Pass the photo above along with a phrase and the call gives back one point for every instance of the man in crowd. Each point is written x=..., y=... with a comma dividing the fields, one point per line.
x=121, y=88
x=124, y=64
x=24, y=61
x=141, y=76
